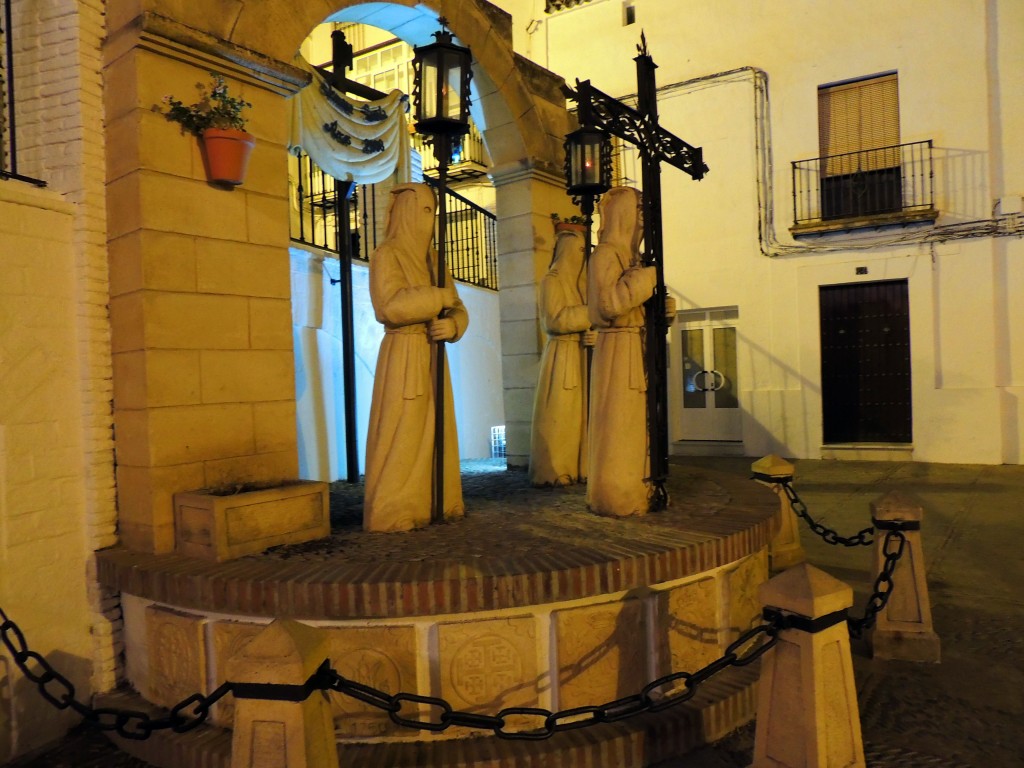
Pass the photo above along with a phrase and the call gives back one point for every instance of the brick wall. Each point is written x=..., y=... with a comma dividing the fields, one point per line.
x=57, y=491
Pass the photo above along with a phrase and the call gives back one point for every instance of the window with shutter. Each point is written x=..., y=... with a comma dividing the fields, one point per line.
x=858, y=138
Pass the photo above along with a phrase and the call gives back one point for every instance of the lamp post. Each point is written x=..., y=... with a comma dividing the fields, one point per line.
x=588, y=171
x=588, y=175
x=442, y=72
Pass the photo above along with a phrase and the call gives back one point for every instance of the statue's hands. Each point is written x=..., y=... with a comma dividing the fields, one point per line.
x=449, y=297
x=670, y=309
x=441, y=329
x=641, y=281
x=589, y=337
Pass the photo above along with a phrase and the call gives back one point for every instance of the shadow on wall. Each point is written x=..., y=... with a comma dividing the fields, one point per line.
x=25, y=712
x=474, y=361
x=6, y=721
x=769, y=424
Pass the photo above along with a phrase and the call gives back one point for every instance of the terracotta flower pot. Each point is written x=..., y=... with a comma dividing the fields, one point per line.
x=226, y=153
x=570, y=226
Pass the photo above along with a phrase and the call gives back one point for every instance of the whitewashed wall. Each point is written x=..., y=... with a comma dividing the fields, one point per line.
x=474, y=362
x=57, y=500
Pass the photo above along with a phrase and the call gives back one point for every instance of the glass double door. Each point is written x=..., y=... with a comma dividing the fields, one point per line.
x=703, y=377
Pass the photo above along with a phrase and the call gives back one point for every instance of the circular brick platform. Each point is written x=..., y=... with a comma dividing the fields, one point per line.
x=528, y=601
x=516, y=546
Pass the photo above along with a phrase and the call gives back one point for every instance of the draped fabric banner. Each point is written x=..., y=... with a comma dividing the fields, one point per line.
x=352, y=140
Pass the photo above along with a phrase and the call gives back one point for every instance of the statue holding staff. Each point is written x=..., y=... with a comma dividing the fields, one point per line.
x=416, y=315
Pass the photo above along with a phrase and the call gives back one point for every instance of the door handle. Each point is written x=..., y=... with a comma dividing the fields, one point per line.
x=716, y=384
x=697, y=382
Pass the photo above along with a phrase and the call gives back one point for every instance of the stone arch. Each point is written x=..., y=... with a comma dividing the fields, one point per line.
x=522, y=104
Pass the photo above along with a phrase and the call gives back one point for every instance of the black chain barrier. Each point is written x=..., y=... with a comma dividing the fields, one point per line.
x=862, y=538
x=882, y=588
x=194, y=710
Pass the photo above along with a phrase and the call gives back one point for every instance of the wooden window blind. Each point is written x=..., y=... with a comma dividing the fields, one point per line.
x=859, y=117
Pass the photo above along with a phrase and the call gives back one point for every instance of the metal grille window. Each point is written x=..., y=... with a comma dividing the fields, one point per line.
x=8, y=103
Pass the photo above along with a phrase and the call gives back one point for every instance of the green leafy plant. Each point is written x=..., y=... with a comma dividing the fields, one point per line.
x=567, y=219
x=215, y=108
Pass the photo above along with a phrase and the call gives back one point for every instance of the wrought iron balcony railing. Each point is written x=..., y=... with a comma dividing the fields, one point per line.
x=867, y=188
x=319, y=216
x=469, y=158
x=8, y=114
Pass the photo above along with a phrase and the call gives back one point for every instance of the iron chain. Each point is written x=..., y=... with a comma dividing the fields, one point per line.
x=882, y=590
x=863, y=538
x=534, y=723
x=519, y=723
x=60, y=692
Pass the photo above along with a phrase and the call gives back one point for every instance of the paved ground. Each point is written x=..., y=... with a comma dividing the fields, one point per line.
x=965, y=712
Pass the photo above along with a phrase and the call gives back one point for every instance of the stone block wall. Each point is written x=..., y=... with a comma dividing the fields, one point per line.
x=204, y=392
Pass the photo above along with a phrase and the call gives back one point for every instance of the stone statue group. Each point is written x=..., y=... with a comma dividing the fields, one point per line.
x=588, y=426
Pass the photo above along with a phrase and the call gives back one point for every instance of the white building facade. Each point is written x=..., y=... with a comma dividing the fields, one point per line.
x=865, y=305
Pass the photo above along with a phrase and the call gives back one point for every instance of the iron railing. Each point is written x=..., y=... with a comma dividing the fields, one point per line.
x=472, y=241
x=890, y=180
x=318, y=215
x=8, y=116
x=469, y=156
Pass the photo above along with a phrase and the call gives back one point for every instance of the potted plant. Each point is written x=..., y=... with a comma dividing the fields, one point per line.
x=217, y=120
x=571, y=224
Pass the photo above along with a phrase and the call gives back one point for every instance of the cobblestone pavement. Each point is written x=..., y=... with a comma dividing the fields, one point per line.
x=962, y=713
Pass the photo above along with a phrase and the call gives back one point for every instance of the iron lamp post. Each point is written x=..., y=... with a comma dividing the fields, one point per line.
x=442, y=73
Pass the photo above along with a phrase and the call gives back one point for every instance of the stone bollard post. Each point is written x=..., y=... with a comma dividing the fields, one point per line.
x=903, y=629
x=807, y=713
x=281, y=734
x=785, y=550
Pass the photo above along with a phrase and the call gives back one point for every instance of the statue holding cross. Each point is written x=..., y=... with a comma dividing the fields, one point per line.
x=640, y=128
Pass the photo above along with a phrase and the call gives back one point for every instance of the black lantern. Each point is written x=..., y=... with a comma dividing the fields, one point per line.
x=441, y=91
x=588, y=162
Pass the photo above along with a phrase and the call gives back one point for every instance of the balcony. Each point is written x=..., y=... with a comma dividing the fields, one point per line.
x=871, y=188
x=324, y=219
x=469, y=157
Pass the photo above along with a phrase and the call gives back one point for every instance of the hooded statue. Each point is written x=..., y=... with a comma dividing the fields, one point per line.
x=617, y=288
x=400, y=441
x=558, y=442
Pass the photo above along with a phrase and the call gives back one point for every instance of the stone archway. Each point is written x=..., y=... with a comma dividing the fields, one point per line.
x=200, y=296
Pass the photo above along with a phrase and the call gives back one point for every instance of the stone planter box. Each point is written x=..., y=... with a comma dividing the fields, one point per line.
x=220, y=526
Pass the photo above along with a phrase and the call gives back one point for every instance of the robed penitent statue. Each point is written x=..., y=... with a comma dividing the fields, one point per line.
x=417, y=315
x=558, y=442
x=618, y=285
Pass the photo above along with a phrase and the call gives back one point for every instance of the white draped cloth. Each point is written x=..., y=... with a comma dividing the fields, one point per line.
x=352, y=140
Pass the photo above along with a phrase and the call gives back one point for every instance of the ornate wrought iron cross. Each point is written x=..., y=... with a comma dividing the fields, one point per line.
x=640, y=128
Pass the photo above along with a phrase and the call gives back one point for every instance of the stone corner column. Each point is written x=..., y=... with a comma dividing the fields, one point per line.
x=785, y=550
x=903, y=629
x=807, y=714
x=284, y=734
x=200, y=304
x=526, y=197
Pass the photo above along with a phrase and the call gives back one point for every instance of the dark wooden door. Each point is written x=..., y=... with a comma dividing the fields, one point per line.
x=865, y=363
